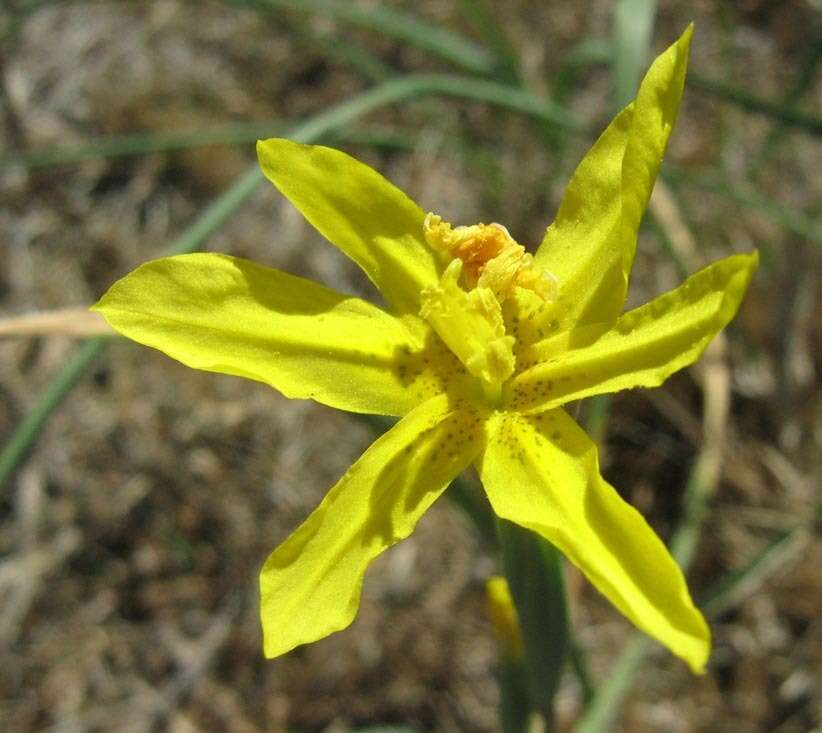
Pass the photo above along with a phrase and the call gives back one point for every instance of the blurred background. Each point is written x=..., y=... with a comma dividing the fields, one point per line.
x=139, y=498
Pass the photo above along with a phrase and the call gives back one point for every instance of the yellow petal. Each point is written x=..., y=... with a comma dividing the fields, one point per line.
x=590, y=245
x=359, y=211
x=311, y=583
x=542, y=473
x=228, y=315
x=644, y=347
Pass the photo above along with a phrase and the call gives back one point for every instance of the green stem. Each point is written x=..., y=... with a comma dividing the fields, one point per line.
x=536, y=579
x=514, y=697
x=29, y=428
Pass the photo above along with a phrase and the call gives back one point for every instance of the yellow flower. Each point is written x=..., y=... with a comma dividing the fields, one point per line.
x=479, y=347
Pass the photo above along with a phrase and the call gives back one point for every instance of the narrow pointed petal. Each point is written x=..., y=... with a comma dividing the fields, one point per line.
x=224, y=314
x=311, y=584
x=359, y=211
x=542, y=473
x=644, y=347
x=590, y=245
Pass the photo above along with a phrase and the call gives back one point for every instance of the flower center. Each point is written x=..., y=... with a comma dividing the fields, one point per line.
x=491, y=258
x=486, y=266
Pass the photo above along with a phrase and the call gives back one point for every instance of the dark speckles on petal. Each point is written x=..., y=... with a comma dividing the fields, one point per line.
x=429, y=370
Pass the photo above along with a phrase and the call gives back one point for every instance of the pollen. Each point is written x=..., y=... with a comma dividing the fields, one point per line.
x=491, y=258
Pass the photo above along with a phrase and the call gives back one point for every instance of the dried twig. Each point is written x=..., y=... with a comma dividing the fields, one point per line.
x=74, y=322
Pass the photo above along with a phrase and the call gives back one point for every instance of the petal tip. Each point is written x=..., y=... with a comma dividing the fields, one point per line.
x=754, y=259
x=270, y=148
x=697, y=663
x=748, y=266
x=683, y=43
x=698, y=650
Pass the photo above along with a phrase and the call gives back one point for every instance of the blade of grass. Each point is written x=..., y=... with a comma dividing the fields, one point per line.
x=599, y=51
x=343, y=51
x=507, y=62
x=141, y=144
x=666, y=218
x=803, y=83
x=407, y=87
x=480, y=90
x=26, y=432
x=632, y=30
x=389, y=22
x=600, y=712
x=448, y=45
x=793, y=221
x=786, y=114
x=738, y=583
x=376, y=136
x=579, y=665
x=591, y=52
x=147, y=143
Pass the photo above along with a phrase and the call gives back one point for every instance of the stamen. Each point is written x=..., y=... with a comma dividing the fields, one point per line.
x=491, y=257
x=465, y=308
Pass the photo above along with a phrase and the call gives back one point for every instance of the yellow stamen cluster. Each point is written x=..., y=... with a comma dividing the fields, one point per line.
x=491, y=258
x=465, y=307
x=471, y=325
